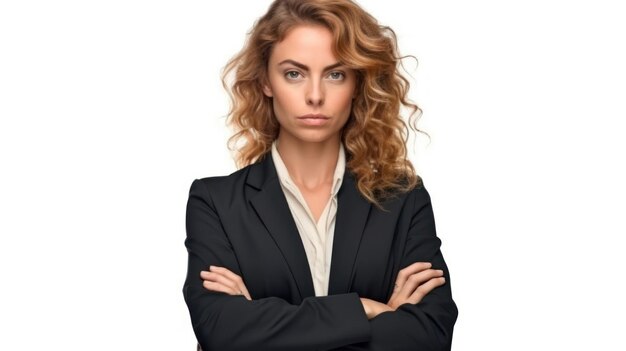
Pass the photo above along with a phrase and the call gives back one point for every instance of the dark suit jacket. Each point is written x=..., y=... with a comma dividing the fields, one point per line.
x=242, y=222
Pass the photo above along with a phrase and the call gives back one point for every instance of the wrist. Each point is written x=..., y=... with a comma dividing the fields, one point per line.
x=373, y=308
x=366, y=307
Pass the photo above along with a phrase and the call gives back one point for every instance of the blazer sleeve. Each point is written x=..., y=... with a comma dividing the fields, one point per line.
x=427, y=325
x=223, y=322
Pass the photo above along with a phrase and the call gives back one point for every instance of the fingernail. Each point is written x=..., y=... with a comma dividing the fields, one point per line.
x=210, y=268
x=440, y=271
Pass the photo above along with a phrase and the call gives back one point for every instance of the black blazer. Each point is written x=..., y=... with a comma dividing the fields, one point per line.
x=243, y=222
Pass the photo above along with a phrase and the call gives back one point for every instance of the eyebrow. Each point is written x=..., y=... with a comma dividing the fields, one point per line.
x=305, y=67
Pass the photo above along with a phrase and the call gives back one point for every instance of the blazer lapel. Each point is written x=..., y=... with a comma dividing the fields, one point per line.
x=352, y=213
x=271, y=206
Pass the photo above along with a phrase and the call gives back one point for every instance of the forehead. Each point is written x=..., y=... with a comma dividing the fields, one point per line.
x=308, y=44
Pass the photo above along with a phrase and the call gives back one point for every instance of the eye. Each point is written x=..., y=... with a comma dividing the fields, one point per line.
x=292, y=75
x=336, y=75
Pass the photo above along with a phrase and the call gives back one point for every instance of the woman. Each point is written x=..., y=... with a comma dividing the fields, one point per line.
x=325, y=238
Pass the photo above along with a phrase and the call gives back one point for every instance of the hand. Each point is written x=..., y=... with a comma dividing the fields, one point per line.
x=414, y=282
x=221, y=279
x=374, y=308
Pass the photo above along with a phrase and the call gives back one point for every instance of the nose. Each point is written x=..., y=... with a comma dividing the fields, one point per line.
x=315, y=93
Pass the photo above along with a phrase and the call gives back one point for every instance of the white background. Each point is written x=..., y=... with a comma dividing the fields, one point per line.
x=110, y=109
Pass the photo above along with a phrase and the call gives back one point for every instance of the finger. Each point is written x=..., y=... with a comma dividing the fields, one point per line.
x=425, y=288
x=213, y=286
x=409, y=270
x=245, y=292
x=232, y=276
x=230, y=279
x=404, y=274
x=224, y=271
x=417, y=279
x=219, y=278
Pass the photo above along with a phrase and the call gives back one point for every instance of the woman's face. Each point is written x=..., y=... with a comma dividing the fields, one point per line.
x=311, y=90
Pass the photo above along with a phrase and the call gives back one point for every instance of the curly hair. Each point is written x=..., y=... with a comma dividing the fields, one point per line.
x=375, y=134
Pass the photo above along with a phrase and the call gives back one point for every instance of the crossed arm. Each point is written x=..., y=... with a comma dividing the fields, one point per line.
x=336, y=322
x=412, y=284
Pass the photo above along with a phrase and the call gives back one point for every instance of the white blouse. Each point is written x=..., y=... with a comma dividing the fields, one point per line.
x=317, y=238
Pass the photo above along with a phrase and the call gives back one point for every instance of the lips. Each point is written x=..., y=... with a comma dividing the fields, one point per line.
x=314, y=120
x=314, y=116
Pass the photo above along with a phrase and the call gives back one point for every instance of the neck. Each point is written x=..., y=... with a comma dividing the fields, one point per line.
x=310, y=164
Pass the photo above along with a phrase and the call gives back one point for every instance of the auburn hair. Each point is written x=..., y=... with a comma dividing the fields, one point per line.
x=375, y=134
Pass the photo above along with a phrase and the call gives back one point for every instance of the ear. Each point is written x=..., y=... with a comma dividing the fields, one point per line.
x=267, y=89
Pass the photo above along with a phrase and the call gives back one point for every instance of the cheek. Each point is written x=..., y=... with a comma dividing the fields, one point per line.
x=345, y=93
x=342, y=100
x=285, y=99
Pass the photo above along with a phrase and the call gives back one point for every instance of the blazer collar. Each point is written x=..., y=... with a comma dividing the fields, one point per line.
x=271, y=206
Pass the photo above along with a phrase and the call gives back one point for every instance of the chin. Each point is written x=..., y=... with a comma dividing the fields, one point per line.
x=313, y=137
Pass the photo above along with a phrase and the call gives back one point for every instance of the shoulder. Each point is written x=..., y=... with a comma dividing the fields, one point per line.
x=404, y=191
x=223, y=184
x=223, y=180
x=419, y=190
x=234, y=186
x=405, y=199
x=417, y=198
